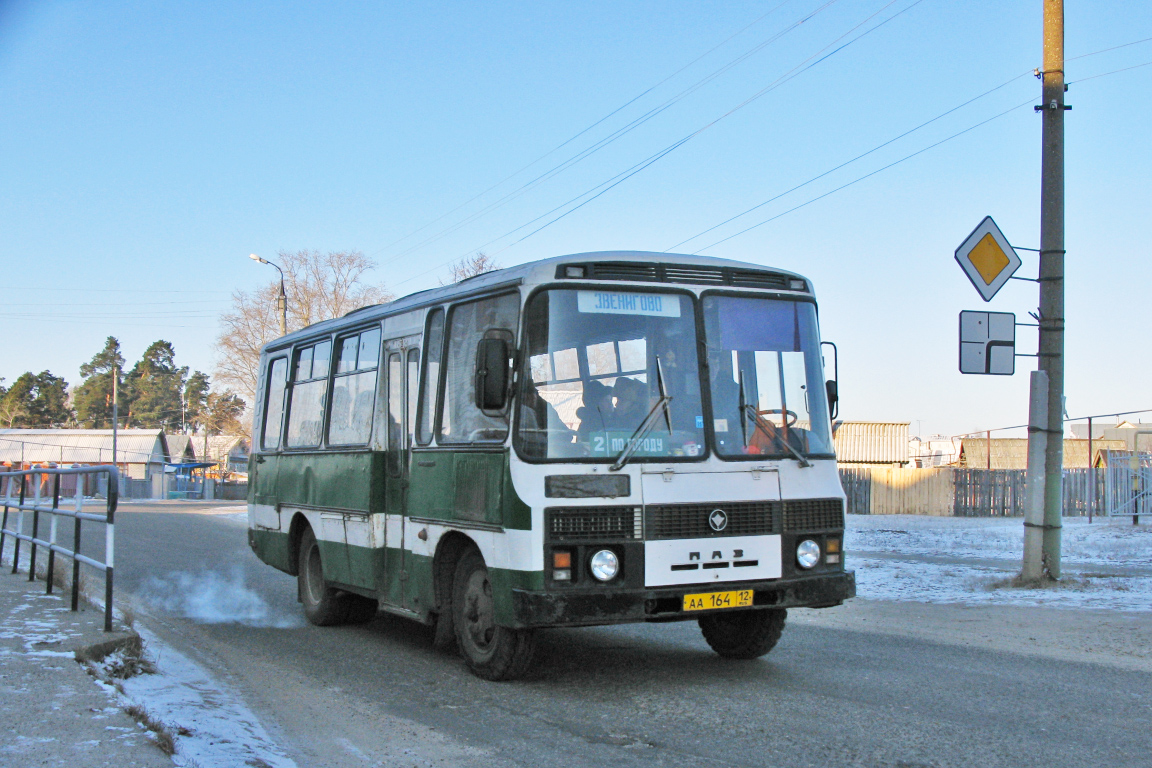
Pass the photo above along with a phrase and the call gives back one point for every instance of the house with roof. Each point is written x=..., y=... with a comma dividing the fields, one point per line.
x=1012, y=452
x=228, y=452
x=140, y=454
x=181, y=448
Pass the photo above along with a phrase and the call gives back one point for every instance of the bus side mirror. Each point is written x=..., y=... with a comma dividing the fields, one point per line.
x=493, y=360
x=833, y=398
x=830, y=386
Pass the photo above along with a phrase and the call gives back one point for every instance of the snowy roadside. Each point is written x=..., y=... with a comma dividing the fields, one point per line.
x=208, y=723
x=176, y=699
x=1108, y=564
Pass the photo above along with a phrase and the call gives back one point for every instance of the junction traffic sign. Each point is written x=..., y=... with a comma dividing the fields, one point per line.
x=987, y=258
x=988, y=343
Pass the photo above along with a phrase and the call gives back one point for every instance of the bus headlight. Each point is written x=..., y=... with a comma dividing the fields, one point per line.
x=808, y=553
x=604, y=565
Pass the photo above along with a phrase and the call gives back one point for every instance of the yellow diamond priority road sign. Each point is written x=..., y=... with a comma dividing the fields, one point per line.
x=987, y=258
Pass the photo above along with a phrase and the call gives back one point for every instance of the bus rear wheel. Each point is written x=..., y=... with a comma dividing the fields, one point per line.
x=743, y=634
x=491, y=651
x=325, y=606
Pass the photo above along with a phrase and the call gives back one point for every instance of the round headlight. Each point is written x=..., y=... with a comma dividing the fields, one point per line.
x=605, y=565
x=808, y=553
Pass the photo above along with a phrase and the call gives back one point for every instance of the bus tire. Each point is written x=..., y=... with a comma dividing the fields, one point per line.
x=743, y=634
x=323, y=605
x=491, y=651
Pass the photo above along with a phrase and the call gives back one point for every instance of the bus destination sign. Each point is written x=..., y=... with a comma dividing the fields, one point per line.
x=619, y=303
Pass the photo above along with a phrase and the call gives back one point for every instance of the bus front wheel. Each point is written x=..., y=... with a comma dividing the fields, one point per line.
x=491, y=651
x=743, y=634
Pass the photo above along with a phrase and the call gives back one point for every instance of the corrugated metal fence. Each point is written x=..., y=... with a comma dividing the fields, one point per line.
x=960, y=492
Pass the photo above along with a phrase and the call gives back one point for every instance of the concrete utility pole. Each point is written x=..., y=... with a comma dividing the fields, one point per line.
x=1051, y=360
x=115, y=410
x=1034, y=488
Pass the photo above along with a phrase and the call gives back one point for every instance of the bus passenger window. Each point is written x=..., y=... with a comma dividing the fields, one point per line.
x=395, y=413
x=274, y=405
x=310, y=385
x=354, y=389
x=413, y=382
x=432, y=348
x=461, y=421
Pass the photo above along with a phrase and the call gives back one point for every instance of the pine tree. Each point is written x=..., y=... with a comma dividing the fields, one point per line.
x=196, y=400
x=93, y=398
x=154, y=387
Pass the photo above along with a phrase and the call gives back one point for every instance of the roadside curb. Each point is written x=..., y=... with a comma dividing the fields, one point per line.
x=55, y=713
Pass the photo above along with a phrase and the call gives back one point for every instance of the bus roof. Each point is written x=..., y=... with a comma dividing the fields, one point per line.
x=639, y=266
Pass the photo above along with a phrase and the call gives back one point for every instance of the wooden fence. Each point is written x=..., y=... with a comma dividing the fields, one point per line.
x=960, y=492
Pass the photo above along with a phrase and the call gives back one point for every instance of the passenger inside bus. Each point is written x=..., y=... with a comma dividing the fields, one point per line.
x=539, y=418
x=632, y=403
x=596, y=413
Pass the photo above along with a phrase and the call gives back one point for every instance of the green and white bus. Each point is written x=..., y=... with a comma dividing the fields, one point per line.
x=585, y=440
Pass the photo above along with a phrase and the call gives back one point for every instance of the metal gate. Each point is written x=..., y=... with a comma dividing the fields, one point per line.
x=1128, y=483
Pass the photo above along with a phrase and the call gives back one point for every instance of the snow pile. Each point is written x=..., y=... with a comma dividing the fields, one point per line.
x=210, y=597
x=1107, y=564
x=207, y=723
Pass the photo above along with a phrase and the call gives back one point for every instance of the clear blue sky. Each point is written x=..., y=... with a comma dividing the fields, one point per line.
x=146, y=149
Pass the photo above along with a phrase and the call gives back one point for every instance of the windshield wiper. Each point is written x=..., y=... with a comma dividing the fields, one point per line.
x=648, y=423
x=750, y=411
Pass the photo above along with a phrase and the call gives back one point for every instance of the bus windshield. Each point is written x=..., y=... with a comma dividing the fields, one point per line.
x=590, y=376
x=767, y=380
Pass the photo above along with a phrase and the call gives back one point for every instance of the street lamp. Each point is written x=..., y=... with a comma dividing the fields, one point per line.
x=282, y=299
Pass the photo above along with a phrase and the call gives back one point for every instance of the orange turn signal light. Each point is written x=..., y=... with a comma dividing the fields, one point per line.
x=832, y=545
x=561, y=559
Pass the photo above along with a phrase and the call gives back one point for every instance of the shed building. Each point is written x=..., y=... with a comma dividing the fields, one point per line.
x=871, y=442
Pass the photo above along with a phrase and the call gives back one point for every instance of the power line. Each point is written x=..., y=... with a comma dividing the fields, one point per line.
x=869, y=175
x=800, y=68
x=1066, y=419
x=1113, y=72
x=890, y=165
x=568, y=141
x=609, y=139
x=1106, y=50
x=849, y=162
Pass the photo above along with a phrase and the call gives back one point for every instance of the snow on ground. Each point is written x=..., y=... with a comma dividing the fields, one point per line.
x=1107, y=564
x=210, y=723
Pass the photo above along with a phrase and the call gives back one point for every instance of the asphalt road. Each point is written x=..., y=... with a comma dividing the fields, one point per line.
x=378, y=694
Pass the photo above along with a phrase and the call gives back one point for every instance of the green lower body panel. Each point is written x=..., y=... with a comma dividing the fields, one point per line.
x=398, y=578
x=272, y=547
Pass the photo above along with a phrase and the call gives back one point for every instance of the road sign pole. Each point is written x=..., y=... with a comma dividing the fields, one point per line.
x=1052, y=275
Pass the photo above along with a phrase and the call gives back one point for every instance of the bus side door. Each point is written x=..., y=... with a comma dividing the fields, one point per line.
x=402, y=360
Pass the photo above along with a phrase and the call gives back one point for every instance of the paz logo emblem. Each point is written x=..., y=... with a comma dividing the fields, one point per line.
x=718, y=520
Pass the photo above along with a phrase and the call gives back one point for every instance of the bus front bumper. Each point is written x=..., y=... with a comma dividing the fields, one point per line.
x=563, y=608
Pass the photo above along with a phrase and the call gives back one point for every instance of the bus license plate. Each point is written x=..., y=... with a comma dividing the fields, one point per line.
x=712, y=600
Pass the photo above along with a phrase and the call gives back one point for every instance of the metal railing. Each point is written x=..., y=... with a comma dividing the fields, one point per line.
x=16, y=498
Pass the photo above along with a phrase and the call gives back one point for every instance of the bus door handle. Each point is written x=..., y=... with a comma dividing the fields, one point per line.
x=425, y=463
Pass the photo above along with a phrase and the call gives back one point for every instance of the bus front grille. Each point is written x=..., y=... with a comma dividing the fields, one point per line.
x=691, y=521
x=592, y=523
x=813, y=515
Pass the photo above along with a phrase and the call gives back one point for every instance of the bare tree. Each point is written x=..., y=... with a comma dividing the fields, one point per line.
x=470, y=266
x=319, y=287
